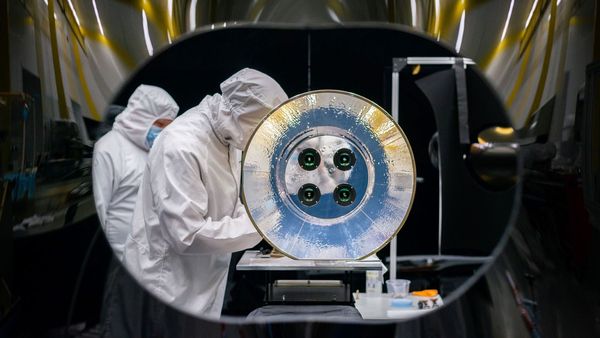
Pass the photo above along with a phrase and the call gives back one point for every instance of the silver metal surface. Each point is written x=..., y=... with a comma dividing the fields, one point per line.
x=382, y=178
x=254, y=261
x=436, y=61
x=397, y=65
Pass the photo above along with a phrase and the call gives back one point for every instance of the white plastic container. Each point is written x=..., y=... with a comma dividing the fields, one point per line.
x=374, y=282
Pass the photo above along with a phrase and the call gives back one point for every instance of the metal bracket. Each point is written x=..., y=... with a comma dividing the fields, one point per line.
x=438, y=61
x=397, y=65
x=459, y=65
x=462, y=103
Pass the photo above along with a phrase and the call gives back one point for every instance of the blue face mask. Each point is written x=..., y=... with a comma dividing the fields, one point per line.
x=152, y=134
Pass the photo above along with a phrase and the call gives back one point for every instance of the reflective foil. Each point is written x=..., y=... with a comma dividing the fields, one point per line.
x=328, y=175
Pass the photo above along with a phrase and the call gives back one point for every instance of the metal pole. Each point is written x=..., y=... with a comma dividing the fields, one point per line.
x=398, y=64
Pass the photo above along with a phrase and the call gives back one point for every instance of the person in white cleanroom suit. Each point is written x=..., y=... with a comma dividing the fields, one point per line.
x=120, y=157
x=119, y=160
x=188, y=217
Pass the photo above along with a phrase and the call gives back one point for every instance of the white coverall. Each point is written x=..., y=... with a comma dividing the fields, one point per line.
x=188, y=218
x=119, y=160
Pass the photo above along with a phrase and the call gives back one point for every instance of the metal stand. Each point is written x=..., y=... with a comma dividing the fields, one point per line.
x=306, y=291
x=459, y=64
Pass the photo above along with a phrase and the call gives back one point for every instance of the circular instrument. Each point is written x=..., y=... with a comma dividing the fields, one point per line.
x=328, y=175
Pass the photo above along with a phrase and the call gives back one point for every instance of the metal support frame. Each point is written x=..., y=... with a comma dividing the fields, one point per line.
x=397, y=65
x=459, y=64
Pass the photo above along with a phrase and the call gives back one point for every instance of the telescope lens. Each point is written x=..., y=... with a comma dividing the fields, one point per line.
x=309, y=194
x=344, y=194
x=309, y=159
x=344, y=159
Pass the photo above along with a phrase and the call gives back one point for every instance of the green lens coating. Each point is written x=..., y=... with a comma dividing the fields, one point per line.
x=309, y=194
x=309, y=159
x=344, y=159
x=344, y=194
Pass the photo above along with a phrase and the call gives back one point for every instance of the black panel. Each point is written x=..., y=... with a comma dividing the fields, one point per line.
x=473, y=217
x=194, y=68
